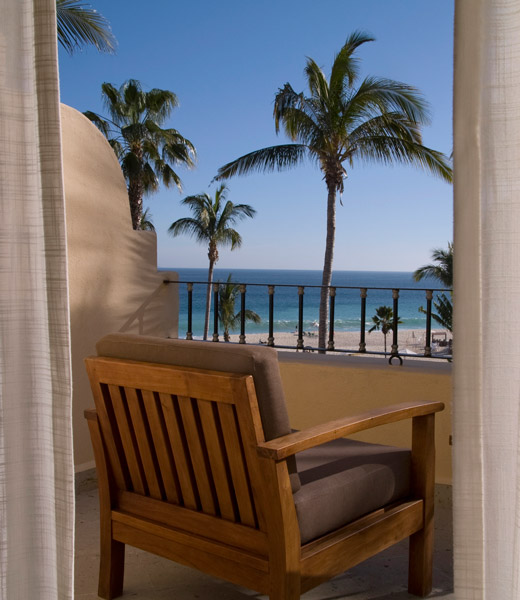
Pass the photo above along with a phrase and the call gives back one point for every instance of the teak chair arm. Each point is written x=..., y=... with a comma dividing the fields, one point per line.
x=287, y=445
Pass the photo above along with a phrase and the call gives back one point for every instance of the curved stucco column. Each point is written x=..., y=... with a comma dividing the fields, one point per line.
x=114, y=284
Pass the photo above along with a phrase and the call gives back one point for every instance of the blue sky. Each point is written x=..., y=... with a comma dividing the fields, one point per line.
x=225, y=61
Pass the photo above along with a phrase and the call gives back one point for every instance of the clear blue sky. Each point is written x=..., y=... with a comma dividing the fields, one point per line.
x=225, y=61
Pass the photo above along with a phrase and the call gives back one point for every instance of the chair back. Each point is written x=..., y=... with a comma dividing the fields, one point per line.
x=180, y=426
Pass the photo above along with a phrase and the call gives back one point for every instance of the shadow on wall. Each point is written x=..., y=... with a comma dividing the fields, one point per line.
x=114, y=284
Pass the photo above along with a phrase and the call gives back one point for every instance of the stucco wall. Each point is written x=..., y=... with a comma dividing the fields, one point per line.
x=114, y=284
x=320, y=388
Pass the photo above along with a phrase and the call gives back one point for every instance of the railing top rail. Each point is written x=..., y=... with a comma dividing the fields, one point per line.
x=337, y=287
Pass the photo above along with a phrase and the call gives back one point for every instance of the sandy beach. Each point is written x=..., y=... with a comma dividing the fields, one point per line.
x=410, y=340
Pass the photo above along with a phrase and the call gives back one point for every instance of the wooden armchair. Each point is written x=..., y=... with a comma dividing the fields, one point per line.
x=196, y=463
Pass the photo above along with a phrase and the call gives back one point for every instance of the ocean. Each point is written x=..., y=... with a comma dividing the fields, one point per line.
x=348, y=302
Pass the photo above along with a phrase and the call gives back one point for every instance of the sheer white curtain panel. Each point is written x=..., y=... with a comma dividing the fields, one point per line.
x=36, y=467
x=487, y=299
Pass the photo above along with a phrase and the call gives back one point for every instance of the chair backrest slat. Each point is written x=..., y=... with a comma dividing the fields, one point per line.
x=162, y=448
x=180, y=451
x=237, y=465
x=218, y=459
x=126, y=431
x=198, y=454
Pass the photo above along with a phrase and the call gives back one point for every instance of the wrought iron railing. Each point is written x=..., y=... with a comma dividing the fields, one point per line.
x=331, y=345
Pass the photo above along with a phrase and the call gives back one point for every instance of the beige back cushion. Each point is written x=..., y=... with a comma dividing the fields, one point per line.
x=258, y=361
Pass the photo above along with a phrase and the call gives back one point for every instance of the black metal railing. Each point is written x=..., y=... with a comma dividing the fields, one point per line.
x=331, y=343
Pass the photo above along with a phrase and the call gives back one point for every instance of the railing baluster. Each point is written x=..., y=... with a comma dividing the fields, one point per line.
x=299, y=343
x=189, y=333
x=215, y=310
x=428, y=341
x=395, y=345
x=362, y=344
x=332, y=293
x=270, y=339
x=242, y=337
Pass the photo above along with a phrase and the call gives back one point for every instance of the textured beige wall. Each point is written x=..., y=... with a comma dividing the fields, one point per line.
x=114, y=284
x=321, y=388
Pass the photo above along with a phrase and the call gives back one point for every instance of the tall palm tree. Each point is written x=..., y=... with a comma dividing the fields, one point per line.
x=442, y=271
x=212, y=223
x=383, y=320
x=228, y=293
x=79, y=25
x=340, y=122
x=145, y=150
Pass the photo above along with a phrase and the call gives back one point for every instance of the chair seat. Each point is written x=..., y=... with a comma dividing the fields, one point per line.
x=345, y=479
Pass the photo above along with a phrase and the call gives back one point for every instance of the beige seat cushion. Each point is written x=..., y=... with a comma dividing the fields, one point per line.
x=345, y=479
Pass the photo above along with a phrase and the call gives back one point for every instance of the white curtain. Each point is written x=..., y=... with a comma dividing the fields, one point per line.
x=36, y=469
x=487, y=300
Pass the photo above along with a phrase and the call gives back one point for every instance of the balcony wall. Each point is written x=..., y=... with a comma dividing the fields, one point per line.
x=319, y=388
x=114, y=284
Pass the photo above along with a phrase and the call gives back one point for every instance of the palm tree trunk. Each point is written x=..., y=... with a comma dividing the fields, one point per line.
x=208, y=299
x=327, y=266
x=135, y=198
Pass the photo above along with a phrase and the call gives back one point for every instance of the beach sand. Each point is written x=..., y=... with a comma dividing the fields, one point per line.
x=410, y=340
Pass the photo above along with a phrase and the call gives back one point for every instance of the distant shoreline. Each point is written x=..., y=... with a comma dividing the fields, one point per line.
x=409, y=341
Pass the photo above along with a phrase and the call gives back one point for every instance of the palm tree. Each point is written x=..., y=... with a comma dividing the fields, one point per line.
x=339, y=123
x=442, y=272
x=146, y=221
x=384, y=321
x=79, y=24
x=145, y=150
x=212, y=224
x=228, y=293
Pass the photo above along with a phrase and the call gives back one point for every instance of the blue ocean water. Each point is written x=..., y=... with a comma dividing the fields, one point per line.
x=348, y=302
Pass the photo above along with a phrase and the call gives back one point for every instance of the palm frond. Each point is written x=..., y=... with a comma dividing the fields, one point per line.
x=79, y=25
x=389, y=150
x=316, y=80
x=345, y=67
x=190, y=227
x=274, y=158
x=102, y=124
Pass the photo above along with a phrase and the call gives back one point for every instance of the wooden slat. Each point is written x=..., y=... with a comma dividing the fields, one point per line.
x=208, y=562
x=198, y=458
x=356, y=542
x=118, y=470
x=252, y=432
x=182, y=381
x=161, y=445
x=217, y=459
x=180, y=451
x=237, y=465
x=189, y=539
x=234, y=534
x=127, y=439
x=150, y=471
x=423, y=486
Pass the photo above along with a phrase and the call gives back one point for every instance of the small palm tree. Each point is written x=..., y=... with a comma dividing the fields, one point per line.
x=228, y=293
x=338, y=124
x=79, y=25
x=145, y=150
x=212, y=224
x=442, y=271
x=146, y=221
x=384, y=321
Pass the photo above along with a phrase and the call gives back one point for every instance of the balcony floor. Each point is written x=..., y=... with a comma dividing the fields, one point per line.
x=150, y=577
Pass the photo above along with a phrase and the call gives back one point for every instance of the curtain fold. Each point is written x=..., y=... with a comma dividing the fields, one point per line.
x=36, y=466
x=487, y=299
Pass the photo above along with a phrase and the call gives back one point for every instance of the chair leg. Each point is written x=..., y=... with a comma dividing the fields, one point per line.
x=421, y=561
x=286, y=588
x=111, y=569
